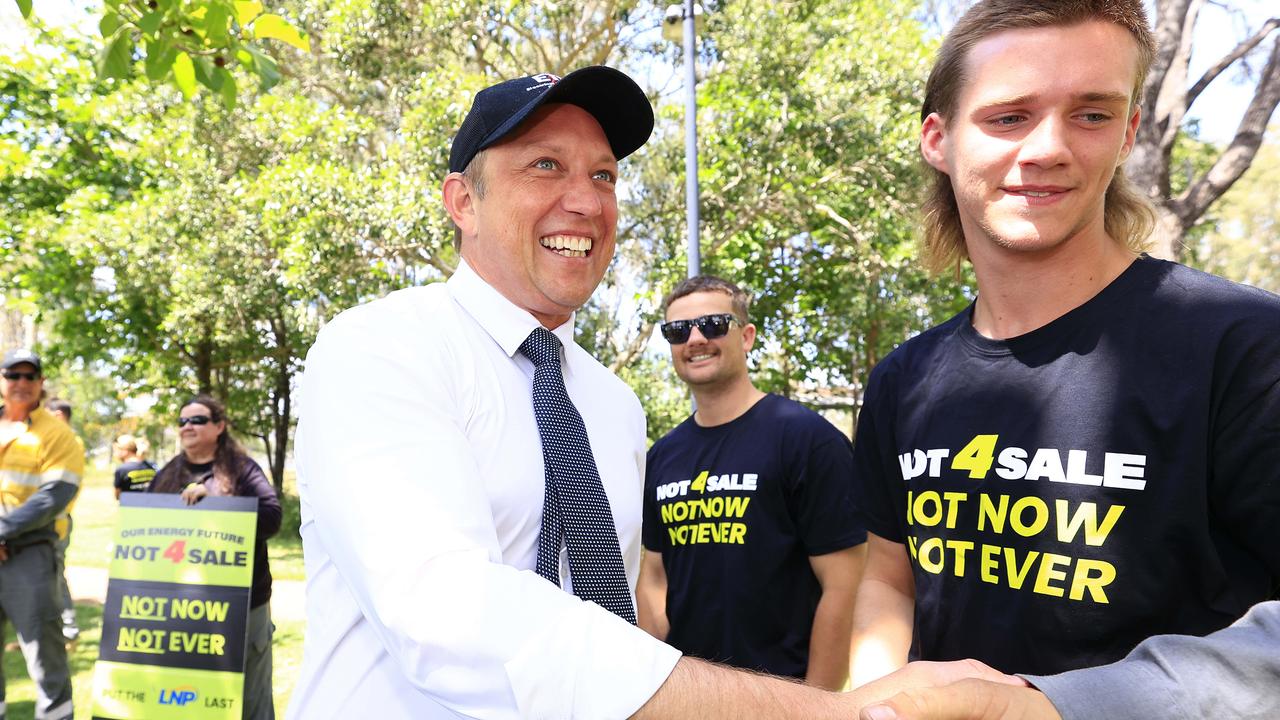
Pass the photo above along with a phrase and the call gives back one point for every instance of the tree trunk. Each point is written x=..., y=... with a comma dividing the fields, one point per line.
x=1168, y=96
x=281, y=415
x=281, y=401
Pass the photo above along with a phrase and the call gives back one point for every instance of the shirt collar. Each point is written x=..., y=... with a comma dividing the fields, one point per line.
x=506, y=323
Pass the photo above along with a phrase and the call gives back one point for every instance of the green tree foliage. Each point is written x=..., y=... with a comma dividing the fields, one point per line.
x=191, y=43
x=211, y=263
x=1244, y=240
x=196, y=244
x=809, y=171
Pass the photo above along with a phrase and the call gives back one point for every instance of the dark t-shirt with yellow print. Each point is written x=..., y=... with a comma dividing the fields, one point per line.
x=736, y=511
x=1065, y=494
x=134, y=476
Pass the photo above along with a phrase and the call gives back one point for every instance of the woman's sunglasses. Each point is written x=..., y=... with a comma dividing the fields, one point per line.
x=194, y=420
x=711, y=326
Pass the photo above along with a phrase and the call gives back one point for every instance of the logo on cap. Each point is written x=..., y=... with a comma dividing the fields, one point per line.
x=542, y=80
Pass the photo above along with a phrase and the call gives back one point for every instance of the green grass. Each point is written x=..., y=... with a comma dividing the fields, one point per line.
x=95, y=516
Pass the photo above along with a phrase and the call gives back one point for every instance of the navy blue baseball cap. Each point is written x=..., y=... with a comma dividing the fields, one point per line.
x=17, y=356
x=612, y=98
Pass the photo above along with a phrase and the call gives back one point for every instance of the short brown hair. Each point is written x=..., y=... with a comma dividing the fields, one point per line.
x=1128, y=214
x=474, y=173
x=710, y=283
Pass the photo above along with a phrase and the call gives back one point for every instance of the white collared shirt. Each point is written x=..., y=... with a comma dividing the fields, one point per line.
x=421, y=478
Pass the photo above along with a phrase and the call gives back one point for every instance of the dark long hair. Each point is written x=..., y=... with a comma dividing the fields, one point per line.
x=228, y=458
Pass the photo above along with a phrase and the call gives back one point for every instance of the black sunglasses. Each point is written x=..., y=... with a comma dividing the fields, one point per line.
x=711, y=326
x=32, y=376
x=194, y=420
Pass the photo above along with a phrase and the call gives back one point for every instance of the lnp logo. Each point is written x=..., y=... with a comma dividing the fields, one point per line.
x=542, y=80
x=178, y=696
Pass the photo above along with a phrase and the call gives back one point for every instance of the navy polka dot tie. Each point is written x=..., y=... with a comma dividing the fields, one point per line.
x=575, y=507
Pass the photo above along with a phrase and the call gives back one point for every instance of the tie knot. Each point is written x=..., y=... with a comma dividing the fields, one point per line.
x=541, y=347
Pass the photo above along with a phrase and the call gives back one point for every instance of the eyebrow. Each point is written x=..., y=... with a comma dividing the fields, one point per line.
x=1088, y=97
x=557, y=149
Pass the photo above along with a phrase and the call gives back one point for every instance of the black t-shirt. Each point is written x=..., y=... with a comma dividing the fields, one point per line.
x=250, y=482
x=134, y=476
x=736, y=510
x=1069, y=492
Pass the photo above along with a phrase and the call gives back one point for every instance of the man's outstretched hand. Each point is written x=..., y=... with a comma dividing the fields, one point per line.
x=963, y=690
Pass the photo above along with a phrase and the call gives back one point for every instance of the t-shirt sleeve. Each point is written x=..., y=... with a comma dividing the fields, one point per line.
x=875, y=478
x=1245, y=484
x=122, y=479
x=822, y=495
x=651, y=528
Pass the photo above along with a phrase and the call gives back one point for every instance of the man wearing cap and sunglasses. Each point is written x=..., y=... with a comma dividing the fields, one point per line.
x=41, y=462
x=471, y=525
x=753, y=547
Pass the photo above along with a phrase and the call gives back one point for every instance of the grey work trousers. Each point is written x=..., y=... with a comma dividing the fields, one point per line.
x=258, y=702
x=69, y=629
x=29, y=599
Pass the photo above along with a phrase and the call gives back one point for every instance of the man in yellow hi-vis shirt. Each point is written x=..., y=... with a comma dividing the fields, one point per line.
x=40, y=467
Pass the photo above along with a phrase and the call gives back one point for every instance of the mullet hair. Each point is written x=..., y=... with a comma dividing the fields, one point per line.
x=1128, y=215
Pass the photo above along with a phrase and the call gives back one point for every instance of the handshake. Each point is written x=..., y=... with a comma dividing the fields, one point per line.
x=960, y=690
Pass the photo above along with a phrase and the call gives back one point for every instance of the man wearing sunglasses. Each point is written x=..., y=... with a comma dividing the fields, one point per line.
x=752, y=543
x=41, y=462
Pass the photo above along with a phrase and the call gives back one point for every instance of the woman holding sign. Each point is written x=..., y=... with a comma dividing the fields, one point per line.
x=213, y=463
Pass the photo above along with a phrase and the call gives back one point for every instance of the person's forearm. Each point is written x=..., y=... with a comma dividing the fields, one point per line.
x=829, y=640
x=651, y=596
x=39, y=510
x=652, y=613
x=970, y=699
x=707, y=691
x=882, y=622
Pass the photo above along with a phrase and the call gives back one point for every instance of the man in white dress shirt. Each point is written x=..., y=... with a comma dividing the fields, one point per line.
x=422, y=500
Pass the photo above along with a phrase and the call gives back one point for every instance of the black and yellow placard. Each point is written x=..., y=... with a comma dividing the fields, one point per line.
x=177, y=608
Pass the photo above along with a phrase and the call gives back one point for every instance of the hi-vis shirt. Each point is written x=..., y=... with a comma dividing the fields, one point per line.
x=40, y=471
x=1065, y=494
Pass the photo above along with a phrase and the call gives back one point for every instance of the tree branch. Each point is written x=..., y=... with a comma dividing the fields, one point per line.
x=634, y=347
x=1240, y=51
x=1238, y=156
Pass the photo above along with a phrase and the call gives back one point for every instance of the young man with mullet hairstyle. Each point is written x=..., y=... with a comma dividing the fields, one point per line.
x=1088, y=455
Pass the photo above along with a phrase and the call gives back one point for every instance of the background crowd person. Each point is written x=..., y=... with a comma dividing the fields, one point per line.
x=763, y=579
x=135, y=472
x=213, y=463
x=1089, y=455
x=41, y=465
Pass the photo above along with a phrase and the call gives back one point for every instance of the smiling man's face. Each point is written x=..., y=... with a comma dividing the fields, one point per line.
x=21, y=387
x=710, y=362
x=1041, y=125
x=544, y=232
